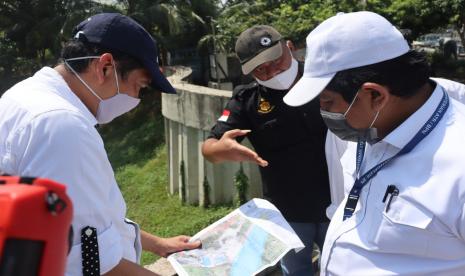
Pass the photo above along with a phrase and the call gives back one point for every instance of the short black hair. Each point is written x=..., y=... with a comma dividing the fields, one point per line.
x=403, y=75
x=77, y=48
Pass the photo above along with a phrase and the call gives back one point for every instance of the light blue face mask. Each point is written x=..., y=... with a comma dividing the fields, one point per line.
x=337, y=124
x=110, y=108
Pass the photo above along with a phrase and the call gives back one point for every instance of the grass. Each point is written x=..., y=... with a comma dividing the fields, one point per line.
x=137, y=152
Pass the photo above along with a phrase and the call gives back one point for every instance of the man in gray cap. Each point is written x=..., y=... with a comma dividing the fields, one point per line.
x=289, y=142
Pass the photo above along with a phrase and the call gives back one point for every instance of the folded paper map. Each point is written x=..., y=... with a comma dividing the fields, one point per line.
x=246, y=241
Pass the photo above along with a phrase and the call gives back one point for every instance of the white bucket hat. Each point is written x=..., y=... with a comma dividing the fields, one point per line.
x=344, y=41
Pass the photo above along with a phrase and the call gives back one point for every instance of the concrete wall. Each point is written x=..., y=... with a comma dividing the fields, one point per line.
x=189, y=115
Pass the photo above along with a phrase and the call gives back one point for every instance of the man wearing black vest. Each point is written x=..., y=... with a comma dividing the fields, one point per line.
x=289, y=142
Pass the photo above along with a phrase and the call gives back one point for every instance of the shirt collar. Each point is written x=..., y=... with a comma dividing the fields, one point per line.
x=55, y=79
x=400, y=136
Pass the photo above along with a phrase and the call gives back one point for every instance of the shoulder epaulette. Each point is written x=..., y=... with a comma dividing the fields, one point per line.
x=241, y=90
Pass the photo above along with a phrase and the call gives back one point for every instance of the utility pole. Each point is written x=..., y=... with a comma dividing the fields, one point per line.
x=218, y=83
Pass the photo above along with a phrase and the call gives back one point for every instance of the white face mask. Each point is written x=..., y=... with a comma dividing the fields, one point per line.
x=283, y=80
x=110, y=108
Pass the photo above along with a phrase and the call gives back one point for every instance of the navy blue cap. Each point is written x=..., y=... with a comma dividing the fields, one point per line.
x=119, y=32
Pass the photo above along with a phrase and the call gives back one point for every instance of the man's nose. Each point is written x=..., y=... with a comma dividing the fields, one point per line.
x=272, y=72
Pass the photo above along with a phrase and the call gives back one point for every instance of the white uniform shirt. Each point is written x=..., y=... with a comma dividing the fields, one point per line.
x=339, y=172
x=340, y=154
x=423, y=232
x=46, y=131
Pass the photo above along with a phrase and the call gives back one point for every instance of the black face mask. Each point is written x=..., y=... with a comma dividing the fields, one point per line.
x=337, y=123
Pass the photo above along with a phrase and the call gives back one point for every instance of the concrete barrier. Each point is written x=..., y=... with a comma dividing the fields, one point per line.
x=189, y=115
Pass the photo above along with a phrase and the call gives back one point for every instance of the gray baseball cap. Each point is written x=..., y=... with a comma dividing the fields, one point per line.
x=258, y=45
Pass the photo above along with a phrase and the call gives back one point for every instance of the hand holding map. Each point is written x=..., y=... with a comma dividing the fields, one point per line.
x=246, y=241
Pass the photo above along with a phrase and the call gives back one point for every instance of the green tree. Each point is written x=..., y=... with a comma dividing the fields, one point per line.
x=31, y=33
x=454, y=11
x=174, y=23
x=420, y=16
x=296, y=18
x=423, y=16
x=234, y=19
x=38, y=27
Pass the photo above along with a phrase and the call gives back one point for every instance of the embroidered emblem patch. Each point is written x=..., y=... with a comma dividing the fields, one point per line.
x=264, y=106
x=265, y=41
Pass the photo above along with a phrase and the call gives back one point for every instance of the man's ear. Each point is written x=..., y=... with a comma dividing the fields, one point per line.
x=290, y=45
x=379, y=95
x=104, y=63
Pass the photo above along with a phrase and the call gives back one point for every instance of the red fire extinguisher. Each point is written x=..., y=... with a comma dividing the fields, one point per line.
x=35, y=226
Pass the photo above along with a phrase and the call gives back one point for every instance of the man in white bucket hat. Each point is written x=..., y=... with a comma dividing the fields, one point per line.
x=405, y=213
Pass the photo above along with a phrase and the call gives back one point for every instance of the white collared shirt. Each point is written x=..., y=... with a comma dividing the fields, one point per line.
x=340, y=157
x=423, y=232
x=340, y=154
x=46, y=131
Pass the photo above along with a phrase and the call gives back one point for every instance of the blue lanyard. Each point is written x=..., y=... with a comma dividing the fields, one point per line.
x=360, y=182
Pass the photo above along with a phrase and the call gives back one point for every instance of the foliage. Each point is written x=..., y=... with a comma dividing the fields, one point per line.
x=144, y=187
x=38, y=27
x=241, y=182
x=237, y=16
x=423, y=16
x=174, y=23
x=206, y=193
x=32, y=32
x=129, y=136
x=12, y=67
x=447, y=68
x=231, y=22
x=420, y=16
x=455, y=11
x=294, y=19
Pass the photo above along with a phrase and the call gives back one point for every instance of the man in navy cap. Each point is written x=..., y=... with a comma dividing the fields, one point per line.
x=47, y=129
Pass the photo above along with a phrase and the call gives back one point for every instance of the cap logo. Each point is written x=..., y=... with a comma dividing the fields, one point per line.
x=78, y=34
x=265, y=41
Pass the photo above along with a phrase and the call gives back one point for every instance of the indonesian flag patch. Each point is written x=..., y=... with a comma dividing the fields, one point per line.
x=224, y=117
